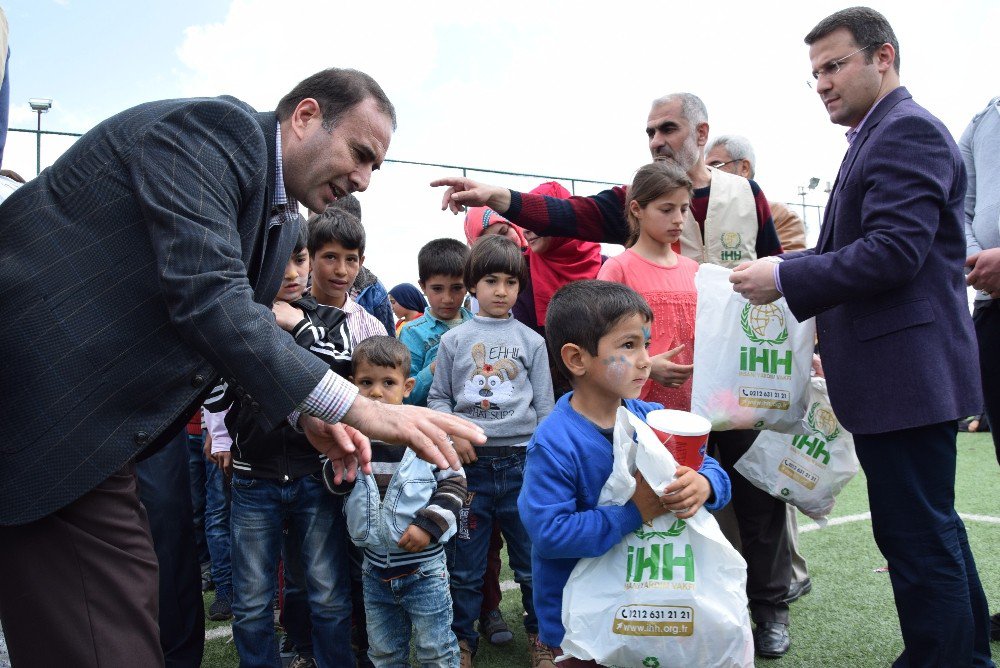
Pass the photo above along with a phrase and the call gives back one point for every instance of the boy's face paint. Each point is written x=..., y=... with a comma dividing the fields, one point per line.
x=621, y=366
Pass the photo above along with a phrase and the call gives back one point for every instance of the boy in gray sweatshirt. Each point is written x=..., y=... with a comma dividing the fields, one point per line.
x=494, y=371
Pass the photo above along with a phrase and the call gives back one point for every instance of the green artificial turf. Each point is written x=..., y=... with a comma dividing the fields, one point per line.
x=849, y=618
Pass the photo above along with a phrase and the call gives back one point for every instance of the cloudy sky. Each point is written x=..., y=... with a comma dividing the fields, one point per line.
x=539, y=87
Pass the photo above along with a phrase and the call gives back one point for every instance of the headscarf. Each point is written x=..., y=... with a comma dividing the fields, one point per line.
x=408, y=296
x=478, y=218
x=564, y=261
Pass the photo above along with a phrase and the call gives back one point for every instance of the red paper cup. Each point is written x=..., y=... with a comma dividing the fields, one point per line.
x=684, y=434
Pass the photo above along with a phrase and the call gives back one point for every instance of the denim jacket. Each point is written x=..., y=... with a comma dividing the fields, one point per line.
x=418, y=493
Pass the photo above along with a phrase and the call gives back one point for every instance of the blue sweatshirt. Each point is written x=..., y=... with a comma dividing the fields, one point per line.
x=422, y=337
x=568, y=462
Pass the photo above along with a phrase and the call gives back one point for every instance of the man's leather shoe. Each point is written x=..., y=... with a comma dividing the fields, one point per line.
x=799, y=589
x=770, y=639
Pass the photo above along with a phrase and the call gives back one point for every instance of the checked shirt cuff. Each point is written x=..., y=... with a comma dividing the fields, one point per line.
x=329, y=401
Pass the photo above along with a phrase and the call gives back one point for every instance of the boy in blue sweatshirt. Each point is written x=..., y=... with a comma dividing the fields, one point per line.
x=597, y=334
x=440, y=266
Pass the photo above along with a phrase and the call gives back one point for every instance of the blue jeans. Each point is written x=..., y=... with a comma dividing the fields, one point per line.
x=259, y=508
x=421, y=599
x=217, y=500
x=494, y=485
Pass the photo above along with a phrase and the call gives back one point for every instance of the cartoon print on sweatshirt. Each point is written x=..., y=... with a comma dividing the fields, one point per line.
x=491, y=384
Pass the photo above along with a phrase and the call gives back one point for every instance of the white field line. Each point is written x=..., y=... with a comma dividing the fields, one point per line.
x=508, y=585
x=966, y=517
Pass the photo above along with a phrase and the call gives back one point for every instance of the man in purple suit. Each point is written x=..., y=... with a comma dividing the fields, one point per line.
x=886, y=286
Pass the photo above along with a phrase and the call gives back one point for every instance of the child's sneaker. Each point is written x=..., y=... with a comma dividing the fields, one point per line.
x=541, y=655
x=495, y=628
x=221, y=608
x=302, y=661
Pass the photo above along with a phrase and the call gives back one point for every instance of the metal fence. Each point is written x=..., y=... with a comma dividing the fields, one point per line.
x=812, y=214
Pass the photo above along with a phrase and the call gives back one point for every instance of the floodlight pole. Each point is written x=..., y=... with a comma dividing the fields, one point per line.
x=39, y=105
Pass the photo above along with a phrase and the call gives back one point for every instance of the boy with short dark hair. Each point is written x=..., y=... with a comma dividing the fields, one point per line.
x=597, y=334
x=440, y=264
x=337, y=253
x=492, y=370
x=405, y=576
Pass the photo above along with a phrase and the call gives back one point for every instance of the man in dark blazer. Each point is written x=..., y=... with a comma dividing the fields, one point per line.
x=133, y=272
x=886, y=286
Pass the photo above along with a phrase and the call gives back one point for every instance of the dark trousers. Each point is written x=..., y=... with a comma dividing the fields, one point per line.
x=763, y=525
x=197, y=475
x=939, y=599
x=165, y=491
x=491, y=578
x=986, y=317
x=79, y=586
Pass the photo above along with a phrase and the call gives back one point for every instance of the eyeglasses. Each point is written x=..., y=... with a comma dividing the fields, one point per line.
x=832, y=68
x=719, y=165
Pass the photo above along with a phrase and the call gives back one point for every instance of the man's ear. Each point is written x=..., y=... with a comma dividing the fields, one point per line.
x=306, y=111
x=884, y=57
x=361, y=260
x=574, y=357
x=701, y=131
x=408, y=386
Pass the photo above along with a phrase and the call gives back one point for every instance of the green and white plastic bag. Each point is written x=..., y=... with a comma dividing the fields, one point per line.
x=672, y=593
x=805, y=470
x=751, y=363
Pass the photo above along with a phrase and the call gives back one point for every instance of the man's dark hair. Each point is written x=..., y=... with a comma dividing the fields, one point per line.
x=442, y=257
x=582, y=312
x=494, y=254
x=869, y=29
x=382, y=351
x=338, y=225
x=337, y=91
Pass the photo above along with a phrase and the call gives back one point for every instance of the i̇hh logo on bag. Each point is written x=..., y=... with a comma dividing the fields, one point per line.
x=825, y=429
x=765, y=327
x=805, y=470
x=653, y=565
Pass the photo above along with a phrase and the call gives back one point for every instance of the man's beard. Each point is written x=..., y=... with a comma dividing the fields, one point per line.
x=685, y=158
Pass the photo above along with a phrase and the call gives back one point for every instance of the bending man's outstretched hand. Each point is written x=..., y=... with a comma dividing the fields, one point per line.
x=463, y=192
x=426, y=432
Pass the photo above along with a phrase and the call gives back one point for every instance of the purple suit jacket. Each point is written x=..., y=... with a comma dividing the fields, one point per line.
x=885, y=279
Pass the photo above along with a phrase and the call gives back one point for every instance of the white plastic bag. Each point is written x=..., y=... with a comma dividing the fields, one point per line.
x=672, y=593
x=807, y=470
x=751, y=363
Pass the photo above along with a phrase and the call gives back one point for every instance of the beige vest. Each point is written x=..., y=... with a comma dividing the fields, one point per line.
x=730, y=224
